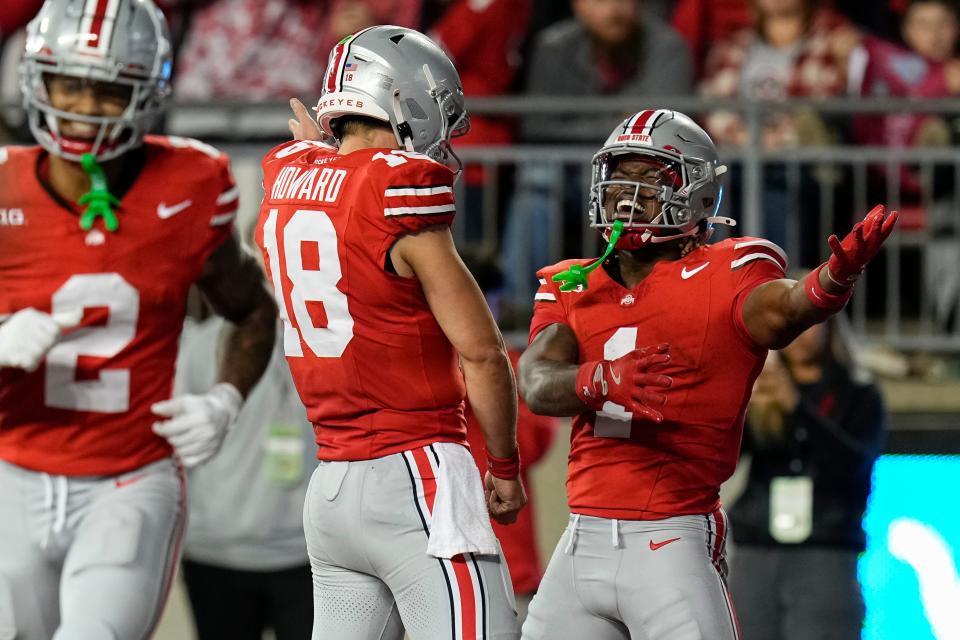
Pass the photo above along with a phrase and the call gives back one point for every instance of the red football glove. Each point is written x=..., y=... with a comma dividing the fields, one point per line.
x=853, y=253
x=626, y=381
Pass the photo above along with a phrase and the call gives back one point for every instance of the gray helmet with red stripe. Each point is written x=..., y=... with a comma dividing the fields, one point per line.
x=118, y=41
x=688, y=205
x=401, y=77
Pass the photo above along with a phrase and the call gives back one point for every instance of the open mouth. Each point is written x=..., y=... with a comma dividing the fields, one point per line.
x=80, y=130
x=625, y=205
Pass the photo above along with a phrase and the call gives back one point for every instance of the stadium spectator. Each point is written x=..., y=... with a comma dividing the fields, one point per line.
x=16, y=14
x=245, y=559
x=269, y=49
x=814, y=429
x=925, y=69
x=535, y=435
x=795, y=49
x=483, y=39
x=704, y=22
x=609, y=48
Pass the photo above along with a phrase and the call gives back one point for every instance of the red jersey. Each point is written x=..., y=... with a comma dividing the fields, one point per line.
x=372, y=366
x=519, y=540
x=630, y=470
x=86, y=409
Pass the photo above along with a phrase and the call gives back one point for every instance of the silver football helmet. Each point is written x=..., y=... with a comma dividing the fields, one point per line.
x=401, y=77
x=688, y=205
x=125, y=42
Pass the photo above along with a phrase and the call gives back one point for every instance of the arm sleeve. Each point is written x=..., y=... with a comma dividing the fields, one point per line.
x=547, y=308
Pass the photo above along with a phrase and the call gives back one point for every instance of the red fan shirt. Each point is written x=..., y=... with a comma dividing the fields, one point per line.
x=86, y=409
x=637, y=470
x=372, y=366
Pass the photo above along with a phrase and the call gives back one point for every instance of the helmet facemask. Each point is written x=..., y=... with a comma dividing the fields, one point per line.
x=684, y=189
x=453, y=118
x=115, y=134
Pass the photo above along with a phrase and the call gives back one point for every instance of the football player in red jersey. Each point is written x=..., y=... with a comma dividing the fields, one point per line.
x=653, y=351
x=385, y=331
x=92, y=302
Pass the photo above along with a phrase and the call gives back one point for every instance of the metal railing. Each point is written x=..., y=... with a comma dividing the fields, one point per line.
x=910, y=309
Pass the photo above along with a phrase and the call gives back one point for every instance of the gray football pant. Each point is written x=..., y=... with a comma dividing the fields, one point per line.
x=638, y=580
x=793, y=592
x=366, y=525
x=87, y=558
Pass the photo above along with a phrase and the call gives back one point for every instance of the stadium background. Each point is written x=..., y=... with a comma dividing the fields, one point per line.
x=528, y=165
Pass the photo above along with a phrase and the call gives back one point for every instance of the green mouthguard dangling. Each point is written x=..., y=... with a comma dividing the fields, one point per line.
x=98, y=199
x=576, y=275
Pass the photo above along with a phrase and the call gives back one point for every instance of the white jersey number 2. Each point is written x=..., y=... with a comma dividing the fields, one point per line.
x=110, y=391
x=309, y=285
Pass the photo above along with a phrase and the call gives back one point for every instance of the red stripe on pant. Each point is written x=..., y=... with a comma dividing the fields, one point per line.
x=461, y=568
x=178, y=531
x=718, y=538
x=427, y=479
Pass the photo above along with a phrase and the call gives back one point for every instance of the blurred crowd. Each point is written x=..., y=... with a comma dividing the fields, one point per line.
x=250, y=51
x=266, y=50
x=255, y=50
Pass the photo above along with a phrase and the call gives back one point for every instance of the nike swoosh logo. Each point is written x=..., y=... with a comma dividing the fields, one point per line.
x=128, y=481
x=164, y=212
x=692, y=272
x=615, y=375
x=656, y=545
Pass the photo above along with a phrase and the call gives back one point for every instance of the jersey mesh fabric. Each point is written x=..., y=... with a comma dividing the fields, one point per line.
x=675, y=468
x=374, y=369
x=86, y=410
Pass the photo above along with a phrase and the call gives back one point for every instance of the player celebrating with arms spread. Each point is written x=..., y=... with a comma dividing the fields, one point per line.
x=92, y=301
x=380, y=316
x=657, y=429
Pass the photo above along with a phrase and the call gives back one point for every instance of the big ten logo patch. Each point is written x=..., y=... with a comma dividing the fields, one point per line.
x=12, y=218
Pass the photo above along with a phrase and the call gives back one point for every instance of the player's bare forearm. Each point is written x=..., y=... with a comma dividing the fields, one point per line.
x=776, y=312
x=548, y=373
x=235, y=286
x=492, y=393
x=247, y=348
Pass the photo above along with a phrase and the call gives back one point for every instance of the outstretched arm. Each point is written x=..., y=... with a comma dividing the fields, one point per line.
x=777, y=312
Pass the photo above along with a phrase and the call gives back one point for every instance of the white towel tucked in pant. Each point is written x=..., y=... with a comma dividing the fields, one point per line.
x=461, y=522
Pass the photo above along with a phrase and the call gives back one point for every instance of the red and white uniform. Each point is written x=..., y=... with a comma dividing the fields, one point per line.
x=644, y=471
x=92, y=505
x=86, y=409
x=383, y=389
x=371, y=364
x=645, y=496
